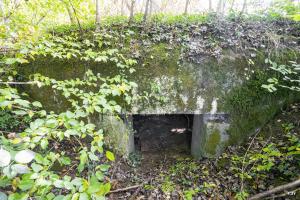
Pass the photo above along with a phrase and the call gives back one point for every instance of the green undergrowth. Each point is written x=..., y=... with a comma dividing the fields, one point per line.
x=60, y=155
x=11, y=123
x=119, y=21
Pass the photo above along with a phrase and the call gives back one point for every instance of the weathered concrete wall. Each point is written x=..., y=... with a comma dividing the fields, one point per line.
x=207, y=89
x=121, y=134
x=210, y=135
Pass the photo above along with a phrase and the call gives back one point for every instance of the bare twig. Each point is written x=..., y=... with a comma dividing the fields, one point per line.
x=125, y=189
x=41, y=19
x=18, y=83
x=289, y=193
x=135, y=193
x=243, y=163
x=276, y=190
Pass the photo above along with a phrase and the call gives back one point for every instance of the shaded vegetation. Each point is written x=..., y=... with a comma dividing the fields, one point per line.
x=66, y=151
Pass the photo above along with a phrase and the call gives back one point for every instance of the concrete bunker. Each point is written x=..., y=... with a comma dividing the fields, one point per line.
x=199, y=90
x=201, y=135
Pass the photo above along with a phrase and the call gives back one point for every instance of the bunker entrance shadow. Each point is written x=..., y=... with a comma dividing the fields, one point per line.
x=163, y=133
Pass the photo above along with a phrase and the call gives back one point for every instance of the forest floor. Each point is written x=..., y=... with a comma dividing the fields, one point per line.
x=235, y=173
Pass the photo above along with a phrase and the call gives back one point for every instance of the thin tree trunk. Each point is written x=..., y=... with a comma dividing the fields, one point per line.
x=232, y=5
x=122, y=7
x=72, y=21
x=146, y=11
x=131, y=10
x=98, y=24
x=244, y=9
x=2, y=9
x=41, y=19
x=186, y=7
x=219, y=6
x=71, y=17
x=143, y=4
x=151, y=7
x=1, y=6
x=75, y=13
x=210, y=5
x=163, y=6
x=223, y=6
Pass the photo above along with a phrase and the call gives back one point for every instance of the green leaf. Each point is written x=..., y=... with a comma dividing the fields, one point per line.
x=94, y=185
x=75, y=196
x=93, y=156
x=5, y=158
x=77, y=181
x=110, y=156
x=18, y=196
x=3, y=196
x=70, y=115
x=68, y=185
x=103, y=167
x=4, y=183
x=84, y=196
x=26, y=184
x=58, y=183
x=52, y=123
x=59, y=197
x=101, y=59
x=99, y=175
x=36, y=124
x=65, y=160
x=44, y=143
x=104, y=189
x=24, y=156
x=36, y=167
x=10, y=61
x=50, y=196
x=41, y=160
x=37, y=104
x=20, y=112
x=83, y=160
x=22, y=102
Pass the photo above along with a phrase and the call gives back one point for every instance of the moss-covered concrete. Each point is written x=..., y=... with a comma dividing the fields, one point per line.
x=119, y=133
x=186, y=87
x=212, y=142
x=250, y=106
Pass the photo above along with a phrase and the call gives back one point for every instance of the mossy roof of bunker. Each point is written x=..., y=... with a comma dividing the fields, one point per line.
x=194, y=64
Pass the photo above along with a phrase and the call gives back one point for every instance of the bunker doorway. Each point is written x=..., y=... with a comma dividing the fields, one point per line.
x=163, y=133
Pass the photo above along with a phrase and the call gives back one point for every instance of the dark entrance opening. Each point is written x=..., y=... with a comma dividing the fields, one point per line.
x=163, y=133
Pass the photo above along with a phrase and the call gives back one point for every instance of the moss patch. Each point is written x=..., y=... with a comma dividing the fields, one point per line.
x=212, y=142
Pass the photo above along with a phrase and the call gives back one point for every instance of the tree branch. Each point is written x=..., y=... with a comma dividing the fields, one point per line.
x=276, y=190
x=125, y=189
x=17, y=83
x=75, y=13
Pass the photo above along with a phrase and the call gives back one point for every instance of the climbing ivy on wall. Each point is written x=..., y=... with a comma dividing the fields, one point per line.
x=61, y=155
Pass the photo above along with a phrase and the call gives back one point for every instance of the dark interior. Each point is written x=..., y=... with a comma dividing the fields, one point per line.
x=161, y=133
